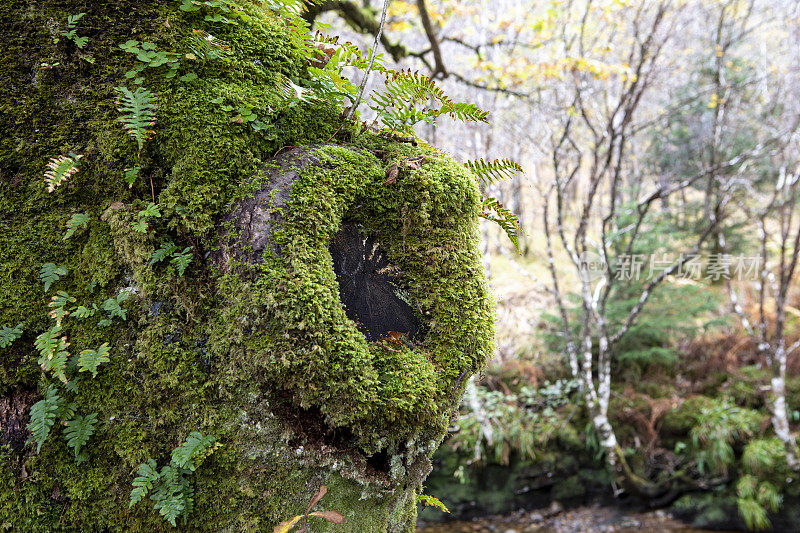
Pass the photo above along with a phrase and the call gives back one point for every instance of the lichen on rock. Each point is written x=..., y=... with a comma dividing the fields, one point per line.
x=253, y=344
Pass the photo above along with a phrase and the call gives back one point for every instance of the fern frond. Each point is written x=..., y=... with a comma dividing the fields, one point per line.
x=432, y=501
x=59, y=306
x=181, y=260
x=9, y=335
x=146, y=477
x=191, y=453
x=78, y=432
x=753, y=514
x=84, y=312
x=491, y=172
x=53, y=352
x=50, y=273
x=89, y=360
x=169, y=498
x=113, y=306
x=55, y=360
x=43, y=416
x=494, y=211
x=162, y=253
x=47, y=342
x=410, y=97
x=59, y=169
x=76, y=221
x=138, y=113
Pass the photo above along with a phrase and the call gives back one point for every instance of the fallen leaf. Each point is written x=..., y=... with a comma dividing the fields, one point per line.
x=391, y=175
x=286, y=525
x=331, y=516
x=317, y=497
x=414, y=163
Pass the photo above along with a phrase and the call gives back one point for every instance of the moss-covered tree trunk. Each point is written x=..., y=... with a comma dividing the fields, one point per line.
x=225, y=320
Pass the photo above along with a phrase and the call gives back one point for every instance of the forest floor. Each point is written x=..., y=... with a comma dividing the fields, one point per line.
x=595, y=519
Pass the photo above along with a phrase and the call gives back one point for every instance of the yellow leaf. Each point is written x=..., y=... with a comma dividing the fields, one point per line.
x=287, y=525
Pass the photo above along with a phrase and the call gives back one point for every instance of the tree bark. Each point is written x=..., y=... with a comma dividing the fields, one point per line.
x=209, y=276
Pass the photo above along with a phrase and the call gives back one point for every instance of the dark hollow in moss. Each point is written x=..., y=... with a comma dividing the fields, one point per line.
x=370, y=286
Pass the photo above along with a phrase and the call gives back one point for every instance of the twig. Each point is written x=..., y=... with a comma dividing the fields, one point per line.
x=363, y=85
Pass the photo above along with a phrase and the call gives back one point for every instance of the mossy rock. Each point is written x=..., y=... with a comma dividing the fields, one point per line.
x=251, y=344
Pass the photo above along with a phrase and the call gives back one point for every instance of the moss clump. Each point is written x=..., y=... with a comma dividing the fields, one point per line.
x=426, y=223
x=269, y=363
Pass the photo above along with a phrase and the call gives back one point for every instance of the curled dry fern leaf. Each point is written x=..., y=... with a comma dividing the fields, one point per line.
x=59, y=169
x=138, y=113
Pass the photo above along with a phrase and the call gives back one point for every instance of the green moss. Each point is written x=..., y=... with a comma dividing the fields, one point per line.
x=571, y=487
x=313, y=351
x=212, y=352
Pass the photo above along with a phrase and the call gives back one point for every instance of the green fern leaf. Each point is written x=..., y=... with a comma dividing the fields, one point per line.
x=181, y=260
x=494, y=171
x=146, y=477
x=55, y=361
x=162, y=253
x=191, y=453
x=77, y=221
x=508, y=221
x=132, y=174
x=51, y=273
x=78, y=432
x=409, y=98
x=9, y=335
x=47, y=342
x=84, y=312
x=89, y=360
x=113, y=306
x=138, y=113
x=59, y=303
x=59, y=169
x=168, y=496
x=43, y=416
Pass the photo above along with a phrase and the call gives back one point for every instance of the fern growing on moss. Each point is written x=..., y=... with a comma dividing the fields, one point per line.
x=59, y=303
x=77, y=433
x=406, y=98
x=9, y=334
x=138, y=113
x=76, y=222
x=89, y=360
x=43, y=416
x=181, y=260
x=60, y=169
x=50, y=273
x=171, y=488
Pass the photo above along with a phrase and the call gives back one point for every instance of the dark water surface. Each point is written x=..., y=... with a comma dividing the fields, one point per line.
x=594, y=519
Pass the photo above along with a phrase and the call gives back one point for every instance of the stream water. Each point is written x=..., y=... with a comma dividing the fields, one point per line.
x=591, y=519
